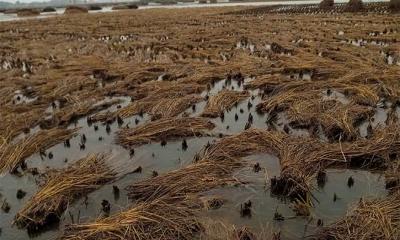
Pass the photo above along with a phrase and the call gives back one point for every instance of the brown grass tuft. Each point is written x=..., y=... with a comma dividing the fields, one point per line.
x=61, y=188
x=75, y=10
x=375, y=219
x=12, y=154
x=394, y=5
x=222, y=101
x=354, y=6
x=156, y=219
x=326, y=4
x=164, y=129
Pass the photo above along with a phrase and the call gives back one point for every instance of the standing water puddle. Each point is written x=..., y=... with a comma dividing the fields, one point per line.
x=100, y=138
x=264, y=205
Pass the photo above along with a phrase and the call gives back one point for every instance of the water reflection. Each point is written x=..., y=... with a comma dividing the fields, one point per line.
x=264, y=205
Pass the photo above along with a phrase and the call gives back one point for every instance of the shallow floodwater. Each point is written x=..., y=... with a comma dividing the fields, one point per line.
x=264, y=205
x=154, y=157
x=151, y=157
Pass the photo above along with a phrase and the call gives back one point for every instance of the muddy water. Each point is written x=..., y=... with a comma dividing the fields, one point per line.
x=264, y=205
x=154, y=157
x=151, y=157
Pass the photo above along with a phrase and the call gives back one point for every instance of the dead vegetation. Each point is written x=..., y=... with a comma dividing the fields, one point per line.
x=302, y=159
x=323, y=71
x=148, y=220
x=13, y=154
x=372, y=219
x=221, y=230
x=224, y=100
x=392, y=176
x=326, y=4
x=394, y=5
x=69, y=114
x=173, y=107
x=75, y=10
x=193, y=179
x=125, y=7
x=60, y=188
x=354, y=5
x=163, y=130
x=28, y=12
x=162, y=99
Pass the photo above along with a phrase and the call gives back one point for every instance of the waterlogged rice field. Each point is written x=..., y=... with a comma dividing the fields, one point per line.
x=276, y=122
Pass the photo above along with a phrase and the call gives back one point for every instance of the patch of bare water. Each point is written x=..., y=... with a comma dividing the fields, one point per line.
x=264, y=206
x=94, y=138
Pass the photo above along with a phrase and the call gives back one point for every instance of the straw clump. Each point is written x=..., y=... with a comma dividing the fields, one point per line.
x=392, y=176
x=249, y=142
x=338, y=117
x=337, y=120
x=125, y=7
x=13, y=154
x=394, y=5
x=159, y=108
x=69, y=114
x=61, y=188
x=156, y=219
x=163, y=130
x=222, y=101
x=49, y=9
x=213, y=167
x=28, y=12
x=374, y=219
x=326, y=4
x=193, y=179
x=75, y=10
x=302, y=158
x=223, y=230
x=174, y=106
x=354, y=6
x=152, y=97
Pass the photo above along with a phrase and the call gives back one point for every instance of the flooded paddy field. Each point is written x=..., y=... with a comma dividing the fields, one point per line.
x=277, y=122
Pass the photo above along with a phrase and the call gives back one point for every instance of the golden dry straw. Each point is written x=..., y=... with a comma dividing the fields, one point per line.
x=392, y=176
x=12, y=154
x=224, y=100
x=373, y=219
x=249, y=142
x=167, y=108
x=156, y=219
x=193, y=179
x=338, y=115
x=213, y=166
x=336, y=119
x=61, y=188
x=223, y=230
x=302, y=158
x=163, y=130
x=67, y=115
x=153, y=96
x=157, y=108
